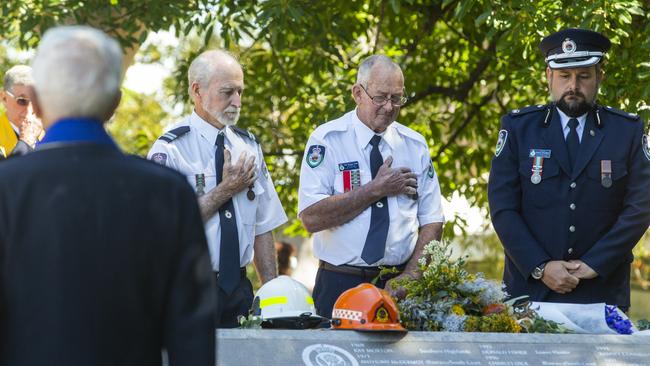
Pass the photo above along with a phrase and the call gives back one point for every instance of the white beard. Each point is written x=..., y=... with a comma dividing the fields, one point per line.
x=227, y=117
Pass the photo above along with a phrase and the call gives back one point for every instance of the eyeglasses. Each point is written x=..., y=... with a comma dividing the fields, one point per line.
x=380, y=100
x=24, y=102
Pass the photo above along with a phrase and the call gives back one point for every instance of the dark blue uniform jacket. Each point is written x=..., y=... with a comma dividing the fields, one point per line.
x=571, y=214
x=103, y=261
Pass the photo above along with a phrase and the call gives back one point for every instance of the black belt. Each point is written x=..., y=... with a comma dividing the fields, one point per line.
x=242, y=273
x=366, y=272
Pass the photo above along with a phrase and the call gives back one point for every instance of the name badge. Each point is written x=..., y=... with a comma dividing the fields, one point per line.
x=540, y=153
x=351, y=175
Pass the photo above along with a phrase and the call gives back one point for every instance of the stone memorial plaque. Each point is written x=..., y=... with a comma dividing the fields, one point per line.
x=350, y=348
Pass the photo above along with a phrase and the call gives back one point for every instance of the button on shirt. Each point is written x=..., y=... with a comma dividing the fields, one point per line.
x=346, y=143
x=193, y=155
x=564, y=119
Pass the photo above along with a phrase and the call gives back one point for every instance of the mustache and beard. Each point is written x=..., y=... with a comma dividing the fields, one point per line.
x=574, y=108
x=227, y=117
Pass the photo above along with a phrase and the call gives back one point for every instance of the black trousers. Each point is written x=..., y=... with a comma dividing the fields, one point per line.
x=229, y=307
x=330, y=285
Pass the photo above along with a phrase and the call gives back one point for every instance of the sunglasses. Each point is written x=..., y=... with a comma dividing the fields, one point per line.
x=24, y=102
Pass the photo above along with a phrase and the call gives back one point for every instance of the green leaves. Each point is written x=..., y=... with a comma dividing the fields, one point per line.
x=466, y=63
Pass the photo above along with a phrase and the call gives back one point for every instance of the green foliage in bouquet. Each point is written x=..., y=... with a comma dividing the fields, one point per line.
x=448, y=298
x=250, y=322
x=643, y=324
x=530, y=321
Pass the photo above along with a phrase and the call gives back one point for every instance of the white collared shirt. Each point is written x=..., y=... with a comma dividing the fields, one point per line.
x=346, y=144
x=193, y=154
x=565, y=124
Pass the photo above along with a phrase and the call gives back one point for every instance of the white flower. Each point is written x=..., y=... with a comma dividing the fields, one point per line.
x=454, y=323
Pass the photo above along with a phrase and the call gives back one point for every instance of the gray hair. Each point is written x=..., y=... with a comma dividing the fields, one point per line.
x=363, y=75
x=18, y=75
x=203, y=67
x=77, y=72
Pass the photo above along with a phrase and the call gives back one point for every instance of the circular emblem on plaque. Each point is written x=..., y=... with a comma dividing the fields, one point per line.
x=327, y=355
x=568, y=46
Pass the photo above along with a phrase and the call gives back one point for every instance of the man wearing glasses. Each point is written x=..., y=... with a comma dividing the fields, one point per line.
x=368, y=189
x=19, y=127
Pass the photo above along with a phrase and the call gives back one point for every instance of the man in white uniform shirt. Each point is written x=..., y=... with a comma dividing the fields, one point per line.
x=224, y=164
x=367, y=189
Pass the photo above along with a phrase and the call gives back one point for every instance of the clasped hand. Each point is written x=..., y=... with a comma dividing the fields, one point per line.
x=240, y=175
x=392, y=182
x=563, y=277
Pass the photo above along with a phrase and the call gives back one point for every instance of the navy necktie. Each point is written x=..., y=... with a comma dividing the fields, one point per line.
x=229, y=248
x=373, y=249
x=572, y=141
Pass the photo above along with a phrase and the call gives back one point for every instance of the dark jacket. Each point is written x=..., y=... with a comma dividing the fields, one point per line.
x=103, y=261
x=571, y=214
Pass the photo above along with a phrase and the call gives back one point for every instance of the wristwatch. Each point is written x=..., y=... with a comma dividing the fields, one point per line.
x=538, y=272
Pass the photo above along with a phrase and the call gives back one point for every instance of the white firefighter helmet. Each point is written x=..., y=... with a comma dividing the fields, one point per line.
x=285, y=303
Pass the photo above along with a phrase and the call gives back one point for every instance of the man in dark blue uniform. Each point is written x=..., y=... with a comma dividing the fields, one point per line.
x=103, y=259
x=569, y=187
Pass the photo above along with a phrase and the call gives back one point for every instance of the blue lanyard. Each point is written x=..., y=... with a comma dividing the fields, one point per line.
x=77, y=130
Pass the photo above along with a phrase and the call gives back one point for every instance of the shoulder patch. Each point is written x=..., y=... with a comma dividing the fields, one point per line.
x=501, y=142
x=160, y=158
x=244, y=133
x=431, y=171
x=172, y=135
x=315, y=155
x=645, y=147
x=526, y=110
x=618, y=112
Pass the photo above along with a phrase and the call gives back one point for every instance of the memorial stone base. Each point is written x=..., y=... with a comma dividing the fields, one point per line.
x=251, y=347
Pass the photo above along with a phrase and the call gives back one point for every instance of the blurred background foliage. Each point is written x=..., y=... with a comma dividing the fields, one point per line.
x=466, y=63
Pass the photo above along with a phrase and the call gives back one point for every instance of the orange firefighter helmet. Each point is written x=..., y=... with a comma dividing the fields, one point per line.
x=366, y=308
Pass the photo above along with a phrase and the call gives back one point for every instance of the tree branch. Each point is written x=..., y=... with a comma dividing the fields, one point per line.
x=470, y=116
x=461, y=91
x=378, y=30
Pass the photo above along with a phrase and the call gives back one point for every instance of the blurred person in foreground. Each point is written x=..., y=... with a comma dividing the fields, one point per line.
x=118, y=268
x=287, y=261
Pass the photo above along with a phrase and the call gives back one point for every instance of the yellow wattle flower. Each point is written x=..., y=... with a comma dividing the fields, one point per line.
x=458, y=310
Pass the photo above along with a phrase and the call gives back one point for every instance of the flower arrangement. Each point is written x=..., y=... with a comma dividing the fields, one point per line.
x=616, y=322
x=448, y=298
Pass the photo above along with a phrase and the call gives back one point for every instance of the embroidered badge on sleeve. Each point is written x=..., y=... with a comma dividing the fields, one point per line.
x=501, y=142
x=646, y=147
x=160, y=158
x=431, y=171
x=315, y=155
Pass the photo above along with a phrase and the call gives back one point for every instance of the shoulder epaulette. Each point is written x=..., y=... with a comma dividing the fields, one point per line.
x=172, y=135
x=526, y=110
x=618, y=112
x=409, y=133
x=244, y=133
x=338, y=125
